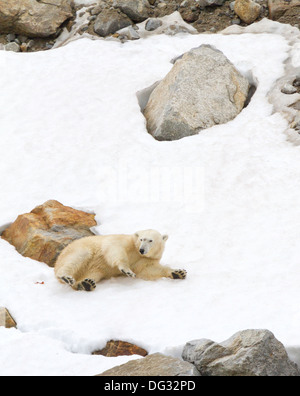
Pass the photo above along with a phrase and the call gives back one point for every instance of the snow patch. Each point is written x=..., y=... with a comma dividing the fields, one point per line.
x=72, y=130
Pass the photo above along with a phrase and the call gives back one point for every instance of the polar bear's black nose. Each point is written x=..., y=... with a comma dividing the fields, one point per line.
x=142, y=251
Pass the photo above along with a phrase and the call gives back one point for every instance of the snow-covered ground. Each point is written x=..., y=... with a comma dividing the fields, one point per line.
x=71, y=130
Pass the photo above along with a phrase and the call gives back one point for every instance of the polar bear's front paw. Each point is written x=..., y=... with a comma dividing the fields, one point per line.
x=179, y=274
x=128, y=273
x=87, y=285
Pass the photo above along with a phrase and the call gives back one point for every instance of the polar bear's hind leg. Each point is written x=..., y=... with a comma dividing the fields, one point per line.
x=87, y=285
x=179, y=274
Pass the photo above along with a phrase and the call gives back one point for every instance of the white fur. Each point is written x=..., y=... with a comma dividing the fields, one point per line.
x=88, y=260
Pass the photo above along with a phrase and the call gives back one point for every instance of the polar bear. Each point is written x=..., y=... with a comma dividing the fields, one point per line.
x=87, y=261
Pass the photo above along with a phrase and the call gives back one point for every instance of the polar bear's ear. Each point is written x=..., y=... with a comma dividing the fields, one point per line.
x=165, y=238
x=136, y=234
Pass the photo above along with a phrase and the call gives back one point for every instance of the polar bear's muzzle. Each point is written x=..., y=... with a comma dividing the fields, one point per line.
x=144, y=248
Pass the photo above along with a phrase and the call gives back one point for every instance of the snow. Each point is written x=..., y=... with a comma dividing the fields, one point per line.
x=85, y=2
x=71, y=130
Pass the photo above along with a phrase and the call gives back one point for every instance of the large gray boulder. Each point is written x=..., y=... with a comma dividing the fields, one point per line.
x=136, y=10
x=34, y=18
x=153, y=365
x=247, y=353
x=203, y=89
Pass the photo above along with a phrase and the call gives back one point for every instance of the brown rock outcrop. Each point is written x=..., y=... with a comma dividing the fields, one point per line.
x=44, y=232
x=120, y=348
x=34, y=18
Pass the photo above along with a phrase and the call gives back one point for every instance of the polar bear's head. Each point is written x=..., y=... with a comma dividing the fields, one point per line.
x=150, y=243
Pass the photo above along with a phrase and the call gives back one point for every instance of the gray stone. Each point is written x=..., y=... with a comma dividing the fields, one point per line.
x=132, y=34
x=11, y=37
x=247, y=353
x=34, y=18
x=205, y=3
x=110, y=21
x=14, y=47
x=136, y=10
x=153, y=24
x=203, y=89
x=153, y=365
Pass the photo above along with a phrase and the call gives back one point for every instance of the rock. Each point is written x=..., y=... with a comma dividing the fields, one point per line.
x=190, y=15
x=153, y=24
x=6, y=319
x=14, y=47
x=154, y=365
x=247, y=353
x=203, y=89
x=44, y=232
x=121, y=348
x=101, y=5
x=34, y=18
x=205, y=3
x=10, y=37
x=136, y=10
x=296, y=82
x=132, y=34
x=162, y=6
x=170, y=25
x=247, y=10
x=277, y=8
x=109, y=21
x=288, y=89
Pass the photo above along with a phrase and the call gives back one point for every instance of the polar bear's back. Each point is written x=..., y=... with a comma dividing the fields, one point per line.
x=96, y=250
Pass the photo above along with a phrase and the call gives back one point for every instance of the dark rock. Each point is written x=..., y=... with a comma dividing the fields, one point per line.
x=110, y=21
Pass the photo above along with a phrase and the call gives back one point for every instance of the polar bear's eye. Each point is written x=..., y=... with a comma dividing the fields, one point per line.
x=150, y=241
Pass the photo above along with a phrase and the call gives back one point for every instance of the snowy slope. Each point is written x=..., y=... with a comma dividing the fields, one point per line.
x=71, y=130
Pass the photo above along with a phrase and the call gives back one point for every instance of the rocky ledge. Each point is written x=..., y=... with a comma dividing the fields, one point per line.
x=33, y=25
x=249, y=353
